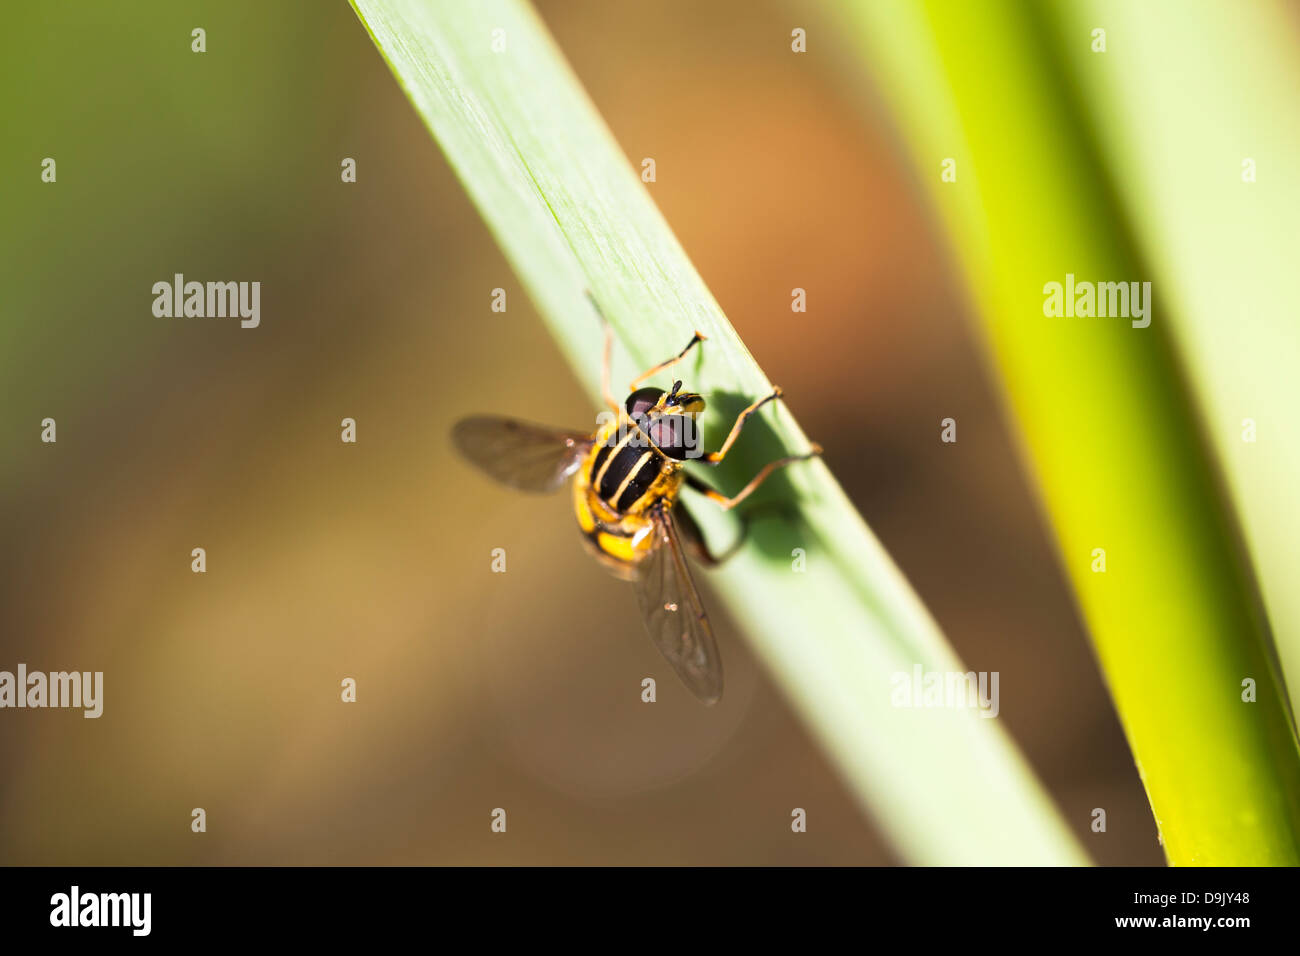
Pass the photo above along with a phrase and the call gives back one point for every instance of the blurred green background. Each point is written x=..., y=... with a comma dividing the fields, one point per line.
x=372, y=560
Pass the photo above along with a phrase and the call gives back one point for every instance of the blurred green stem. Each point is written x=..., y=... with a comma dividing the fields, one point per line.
x=1108, y=427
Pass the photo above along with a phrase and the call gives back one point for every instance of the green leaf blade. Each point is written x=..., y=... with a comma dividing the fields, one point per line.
x=571, y=215
x=1110, y=431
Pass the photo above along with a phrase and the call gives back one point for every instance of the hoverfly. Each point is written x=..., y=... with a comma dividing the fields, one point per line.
x=626, y=479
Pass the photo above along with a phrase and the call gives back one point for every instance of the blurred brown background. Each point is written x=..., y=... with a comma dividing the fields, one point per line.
x=325, y=560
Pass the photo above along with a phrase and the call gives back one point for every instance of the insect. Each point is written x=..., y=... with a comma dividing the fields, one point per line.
x=626, y=479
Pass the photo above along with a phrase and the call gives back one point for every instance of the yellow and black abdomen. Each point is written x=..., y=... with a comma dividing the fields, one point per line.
x=624, y=469
x=612, y=490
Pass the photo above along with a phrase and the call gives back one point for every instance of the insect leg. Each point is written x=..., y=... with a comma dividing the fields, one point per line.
x=713, y=457
x=605, y=390
x=728, y=503
x=604, y=371
x=668, y=363
x=693, y=538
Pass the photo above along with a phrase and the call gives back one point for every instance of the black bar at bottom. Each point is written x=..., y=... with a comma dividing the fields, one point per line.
x=926, y=905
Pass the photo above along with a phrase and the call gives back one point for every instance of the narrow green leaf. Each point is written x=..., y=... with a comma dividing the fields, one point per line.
x=1202, y=120
x=1110, y=430
x=572, y=215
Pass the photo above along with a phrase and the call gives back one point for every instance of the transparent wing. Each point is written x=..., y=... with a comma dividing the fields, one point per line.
x=673, y=614
x=523, y=456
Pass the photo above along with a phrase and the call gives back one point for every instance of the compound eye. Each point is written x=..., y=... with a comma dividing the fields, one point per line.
x=642, y=400
x=664, y=433
x=675, y=435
